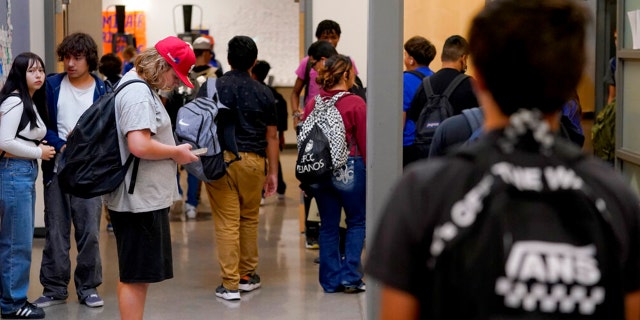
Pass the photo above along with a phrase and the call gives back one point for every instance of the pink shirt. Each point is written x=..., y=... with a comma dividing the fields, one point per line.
x=314, y=88
x=354, y=115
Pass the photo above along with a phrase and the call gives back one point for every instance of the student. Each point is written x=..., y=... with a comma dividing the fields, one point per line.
x=110, y=67
x=259, y=73
x=455, y=53
x=202, y=48
x=543, y=263
x=327, y=30
x=23, y=110
x=235, y=198
x=69, y=94
x=418, y=54
x=347, y=186
x=141, y=219
x=128, y=56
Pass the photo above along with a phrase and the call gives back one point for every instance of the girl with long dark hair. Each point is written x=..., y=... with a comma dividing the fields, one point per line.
x=22, y=127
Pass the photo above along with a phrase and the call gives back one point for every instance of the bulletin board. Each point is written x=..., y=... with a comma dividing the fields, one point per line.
x=14, y=24
x=135, y=24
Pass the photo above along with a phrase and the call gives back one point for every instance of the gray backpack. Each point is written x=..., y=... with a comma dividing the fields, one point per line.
x=197, y=124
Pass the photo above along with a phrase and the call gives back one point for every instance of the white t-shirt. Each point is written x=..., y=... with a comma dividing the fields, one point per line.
x=10, y=114
x=137, y=108
x=72, y=103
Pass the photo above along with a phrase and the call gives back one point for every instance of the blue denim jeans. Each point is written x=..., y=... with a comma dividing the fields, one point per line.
x=346, y=189
x=60, y=211
x=193, y=189
x=17, y=206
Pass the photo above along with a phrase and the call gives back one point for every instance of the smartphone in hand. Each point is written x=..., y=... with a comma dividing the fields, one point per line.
x=199, y=152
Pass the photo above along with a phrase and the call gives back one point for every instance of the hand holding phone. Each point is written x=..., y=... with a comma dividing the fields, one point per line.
x=199, y=152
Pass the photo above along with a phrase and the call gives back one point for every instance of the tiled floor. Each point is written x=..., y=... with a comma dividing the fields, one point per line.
x=289, y=276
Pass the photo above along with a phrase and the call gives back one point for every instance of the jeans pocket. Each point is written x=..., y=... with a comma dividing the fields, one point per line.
x=344, y=177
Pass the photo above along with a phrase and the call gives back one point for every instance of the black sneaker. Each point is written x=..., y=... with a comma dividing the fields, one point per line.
x=27, y=311
x=249, y=282
x=227, y=294
x=355, y=289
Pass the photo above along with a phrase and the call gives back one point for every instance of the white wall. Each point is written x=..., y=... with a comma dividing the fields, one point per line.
x=352, y=15
x=272, y=24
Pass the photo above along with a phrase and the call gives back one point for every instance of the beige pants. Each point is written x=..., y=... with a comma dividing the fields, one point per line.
x=235, y=204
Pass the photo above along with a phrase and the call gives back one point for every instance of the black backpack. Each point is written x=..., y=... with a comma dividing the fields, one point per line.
x=90, y=165
x=322, y=146
x=529, y=239
x=436, y=109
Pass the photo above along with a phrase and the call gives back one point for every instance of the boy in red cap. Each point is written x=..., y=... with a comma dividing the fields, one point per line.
x=141, y=219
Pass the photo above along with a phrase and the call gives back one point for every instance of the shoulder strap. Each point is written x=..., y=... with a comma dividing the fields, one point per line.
x=126, y=83
x=428, y=89
x=474, y=117
x=416, y=73
x=454, y=84
x=212, y=91
x=131, y=158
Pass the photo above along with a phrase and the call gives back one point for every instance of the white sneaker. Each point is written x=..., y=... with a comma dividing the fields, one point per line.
x=226, y=294
x=190, y=211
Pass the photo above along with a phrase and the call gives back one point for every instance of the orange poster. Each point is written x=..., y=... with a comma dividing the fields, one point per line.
x=134, y=24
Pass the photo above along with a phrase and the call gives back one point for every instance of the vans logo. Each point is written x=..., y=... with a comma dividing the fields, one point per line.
x=551, y=277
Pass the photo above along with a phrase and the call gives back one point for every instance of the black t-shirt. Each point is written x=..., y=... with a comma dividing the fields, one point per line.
x=255, y=109
x=401, y=247
x=462, y=97
x=281, y=109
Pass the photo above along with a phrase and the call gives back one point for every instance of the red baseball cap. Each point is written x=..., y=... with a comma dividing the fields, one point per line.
x=179, y=55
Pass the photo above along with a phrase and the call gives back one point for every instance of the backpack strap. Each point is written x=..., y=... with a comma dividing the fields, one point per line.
x=474, y=117
x=228, y=128
x=428, y=89
x=131, y=158
x=23, y=124
x=454, y=84
x=416, y=73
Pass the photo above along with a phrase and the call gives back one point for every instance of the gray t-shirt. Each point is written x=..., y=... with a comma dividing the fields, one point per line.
x=156, y=187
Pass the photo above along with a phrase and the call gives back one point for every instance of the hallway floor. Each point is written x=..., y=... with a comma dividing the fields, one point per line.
x=290, y=288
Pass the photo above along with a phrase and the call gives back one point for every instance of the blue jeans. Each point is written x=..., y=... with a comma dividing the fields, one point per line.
x=346, y=189
x=60, y=211
x=17, y=207
x=193, y=189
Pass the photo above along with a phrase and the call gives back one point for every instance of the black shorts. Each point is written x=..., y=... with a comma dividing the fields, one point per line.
x=144, y=245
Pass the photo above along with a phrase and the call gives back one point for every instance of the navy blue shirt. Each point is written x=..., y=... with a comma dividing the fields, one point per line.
x=254, y=108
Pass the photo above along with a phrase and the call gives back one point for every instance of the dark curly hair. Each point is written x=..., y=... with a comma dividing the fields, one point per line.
x=79, y=44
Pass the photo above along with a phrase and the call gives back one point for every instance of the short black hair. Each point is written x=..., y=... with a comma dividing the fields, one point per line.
x=321, y=49
x=543, y=39
x=261, y=69
x=327, y=26
x=79, y=44
x=420, y=49
x=242, y=53
x=454, y=47
x=110, y=65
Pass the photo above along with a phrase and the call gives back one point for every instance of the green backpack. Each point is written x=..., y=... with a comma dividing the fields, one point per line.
x=603, y=132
